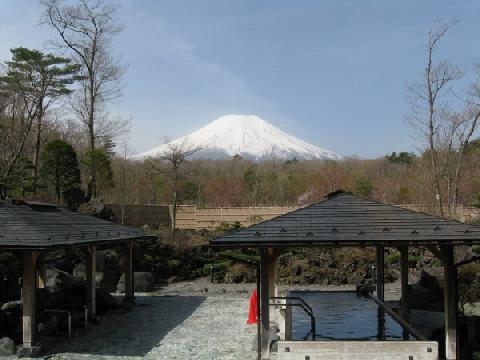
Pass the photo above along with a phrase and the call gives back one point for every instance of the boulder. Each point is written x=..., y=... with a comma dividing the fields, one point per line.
x=110, y=264
x=71, y=284
x=45, y=300
x=10, y=272
x=105, y=301
x=7, y=347
x=4, y=323
x=80, y=271
x=12, y=306
x=143, y=282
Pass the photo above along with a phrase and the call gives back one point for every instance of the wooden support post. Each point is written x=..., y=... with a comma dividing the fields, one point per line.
x=92, y=282
x=265, y=266
x=129, y=276
x=288, y=320
x=272, y=280
x=42, y=274
x=405, y=305
x=380, y=273
x=452, y=351
x=259, y=329
x=29, y=292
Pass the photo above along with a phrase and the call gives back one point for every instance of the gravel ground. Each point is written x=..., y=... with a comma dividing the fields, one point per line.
x=169, y=327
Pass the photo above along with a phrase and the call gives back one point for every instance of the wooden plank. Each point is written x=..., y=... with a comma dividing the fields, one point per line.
x=380, y=252
x=358, y=350
x=405, y=300
x=264, y=304
x=129, y=275
x=29, y=294
x=452, y=350
x=91, y=284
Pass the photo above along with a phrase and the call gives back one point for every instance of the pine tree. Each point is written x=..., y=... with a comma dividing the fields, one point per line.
x=60, y=167
x=39, y=79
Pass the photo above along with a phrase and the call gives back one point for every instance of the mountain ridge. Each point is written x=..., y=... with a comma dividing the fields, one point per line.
x=248, y=136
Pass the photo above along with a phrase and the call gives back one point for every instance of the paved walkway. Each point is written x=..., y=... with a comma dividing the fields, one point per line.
x=169, y=327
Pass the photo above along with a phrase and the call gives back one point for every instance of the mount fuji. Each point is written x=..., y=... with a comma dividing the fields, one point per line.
x=246, y=135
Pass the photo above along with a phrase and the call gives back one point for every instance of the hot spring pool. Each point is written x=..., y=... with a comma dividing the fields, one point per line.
x=343, y=315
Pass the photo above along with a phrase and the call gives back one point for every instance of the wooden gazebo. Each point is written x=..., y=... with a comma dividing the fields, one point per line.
x=34, y=228
x=344, y=220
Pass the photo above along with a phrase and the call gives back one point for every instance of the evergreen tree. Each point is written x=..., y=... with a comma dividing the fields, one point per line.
x=39, y=79
x=99, y=167
x=59, y=167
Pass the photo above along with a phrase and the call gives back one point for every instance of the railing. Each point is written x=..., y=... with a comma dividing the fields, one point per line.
x=302, y=305
x=69, y=315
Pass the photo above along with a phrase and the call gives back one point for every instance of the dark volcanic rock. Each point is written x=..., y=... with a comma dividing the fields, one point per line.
x=143, y=282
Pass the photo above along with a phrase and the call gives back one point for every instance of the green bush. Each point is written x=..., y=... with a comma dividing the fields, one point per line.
x=476, y=249
x=240, y=256
x=393, y=259
x=413, y=260
x=436, y=263
x=221, y=266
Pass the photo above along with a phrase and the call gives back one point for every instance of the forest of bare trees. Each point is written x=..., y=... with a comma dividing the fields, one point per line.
x=397, y=178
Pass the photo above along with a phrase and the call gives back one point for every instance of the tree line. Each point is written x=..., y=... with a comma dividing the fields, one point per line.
x=57, y=131
x=402, y=178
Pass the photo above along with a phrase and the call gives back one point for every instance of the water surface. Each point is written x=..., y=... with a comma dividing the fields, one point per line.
x=343, y=315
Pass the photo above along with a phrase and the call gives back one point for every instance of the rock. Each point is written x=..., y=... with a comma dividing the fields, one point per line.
x=429, y=281
x=105, y=301
x=71, y=284
x=7, y=347
x=50, y=323
x=10, y=272
x=4, y=323
x=143, y=282
x=80, y=271
x=171, y=280
x=13, y=306
x=110, y=263
x=45, y=300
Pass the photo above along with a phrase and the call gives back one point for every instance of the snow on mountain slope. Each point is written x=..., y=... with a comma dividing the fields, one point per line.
x=248, y=136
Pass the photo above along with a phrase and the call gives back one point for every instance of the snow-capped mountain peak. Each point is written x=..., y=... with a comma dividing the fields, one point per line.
x=248, y=136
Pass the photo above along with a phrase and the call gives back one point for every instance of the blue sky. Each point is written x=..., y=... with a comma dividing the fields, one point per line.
x=330, y=72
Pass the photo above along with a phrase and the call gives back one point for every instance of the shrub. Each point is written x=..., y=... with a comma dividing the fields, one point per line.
x=393, y=259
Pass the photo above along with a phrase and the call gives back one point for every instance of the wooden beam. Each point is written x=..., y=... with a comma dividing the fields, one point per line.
x=272, y=278
x=129, y=275
x=29, y=293
x=265, y=266
x=380, y=272
x=405, y=304
x=259, y=330
x=92, y=282
x=452, y=350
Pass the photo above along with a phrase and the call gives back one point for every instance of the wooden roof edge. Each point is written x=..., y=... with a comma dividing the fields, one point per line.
x=290, y=244
x=77, y=244
x=329, y=197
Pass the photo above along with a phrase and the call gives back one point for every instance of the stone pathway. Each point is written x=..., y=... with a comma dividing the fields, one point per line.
x=169, y=327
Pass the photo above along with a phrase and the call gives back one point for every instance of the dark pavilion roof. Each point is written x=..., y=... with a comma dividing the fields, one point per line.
x=343, y=219
x=35, y=225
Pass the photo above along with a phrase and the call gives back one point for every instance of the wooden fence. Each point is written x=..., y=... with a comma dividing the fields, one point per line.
x=189, y=217
x=461, y=213
x=139, y=215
